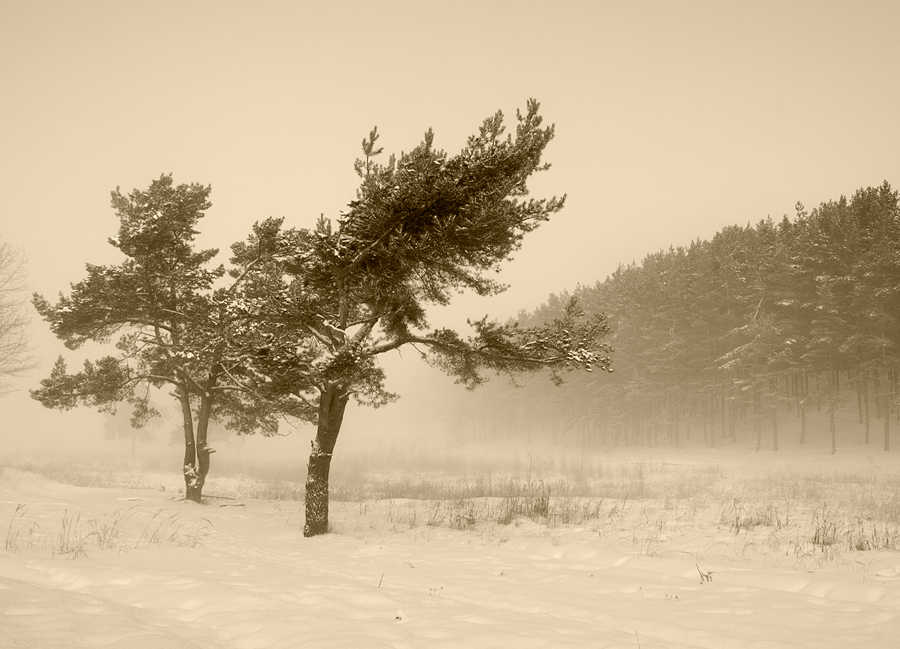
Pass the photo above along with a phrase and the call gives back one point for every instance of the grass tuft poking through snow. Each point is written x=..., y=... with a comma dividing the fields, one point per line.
x=74, y=536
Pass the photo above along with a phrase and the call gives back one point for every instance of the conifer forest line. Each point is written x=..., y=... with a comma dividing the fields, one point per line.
x=792, y=324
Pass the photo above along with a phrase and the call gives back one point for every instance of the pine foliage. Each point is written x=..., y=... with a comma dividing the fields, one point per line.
x=732, y=329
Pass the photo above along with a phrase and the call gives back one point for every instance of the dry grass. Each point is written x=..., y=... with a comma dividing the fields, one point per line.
x=75, y=534
x=657, y=507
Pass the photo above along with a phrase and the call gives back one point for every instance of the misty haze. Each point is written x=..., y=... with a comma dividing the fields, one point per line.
x=477, y=325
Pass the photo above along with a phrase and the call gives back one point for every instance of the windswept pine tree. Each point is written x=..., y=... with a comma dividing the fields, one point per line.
x=323, y=304
x=297, y=330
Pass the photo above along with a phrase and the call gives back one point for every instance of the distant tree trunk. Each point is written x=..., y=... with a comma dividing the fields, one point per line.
x=878, y=400
x=705, y=414
x=604, y=430
x=865, y=396
x=887, y=421
x=332, y=404
x=757, y=424
x=640, y=428
x=775, y=427
x=893, y=392
x=676, y=433
x=802, y=423
x=801, y=405
x=724, y=415
x=706, y=435
x=859, y=406
x=831, y=407
x=731, y=427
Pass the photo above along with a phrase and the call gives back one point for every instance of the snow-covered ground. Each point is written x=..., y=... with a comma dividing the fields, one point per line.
x=135, y=568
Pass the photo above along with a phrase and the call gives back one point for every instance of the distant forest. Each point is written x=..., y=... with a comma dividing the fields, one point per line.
x=792, y=324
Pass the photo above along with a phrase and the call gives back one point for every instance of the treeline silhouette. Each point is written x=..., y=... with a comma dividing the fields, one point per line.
x=793, y=323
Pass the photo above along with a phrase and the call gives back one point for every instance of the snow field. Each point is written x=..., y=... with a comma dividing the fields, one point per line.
x=710, y=557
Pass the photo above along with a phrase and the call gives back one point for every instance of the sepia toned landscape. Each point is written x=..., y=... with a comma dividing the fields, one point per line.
x=474, y=325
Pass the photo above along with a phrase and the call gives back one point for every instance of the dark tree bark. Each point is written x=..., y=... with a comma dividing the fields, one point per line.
x=189, y=466
x=196, y=448
x=331, y=415
x=203, y=449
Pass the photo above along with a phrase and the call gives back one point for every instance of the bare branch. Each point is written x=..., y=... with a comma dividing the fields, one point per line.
x=15, y=354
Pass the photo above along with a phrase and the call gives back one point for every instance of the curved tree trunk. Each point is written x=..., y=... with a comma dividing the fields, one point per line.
x=332, y=404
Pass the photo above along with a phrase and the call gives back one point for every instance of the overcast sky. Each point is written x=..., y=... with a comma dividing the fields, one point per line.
x=673, y=119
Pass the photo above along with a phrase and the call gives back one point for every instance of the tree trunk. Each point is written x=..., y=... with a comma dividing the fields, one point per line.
x=189, y=466
x=196, y=455
x=831, y=407
x=878, y=400
x=865, y=391
x=724, y=415
x=859, y=406
x=731, y=423
x=803, y=421
x=331, y=415
x=203, y=448
x=757, y=415
x=775, y=427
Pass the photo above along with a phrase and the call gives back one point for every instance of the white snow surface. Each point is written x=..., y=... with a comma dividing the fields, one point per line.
x=239, y=574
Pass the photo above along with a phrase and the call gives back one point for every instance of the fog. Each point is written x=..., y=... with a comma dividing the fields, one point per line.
x=673, y=121
x=411, y=423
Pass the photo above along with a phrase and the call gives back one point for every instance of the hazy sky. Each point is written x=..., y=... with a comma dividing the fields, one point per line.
x=673, y=119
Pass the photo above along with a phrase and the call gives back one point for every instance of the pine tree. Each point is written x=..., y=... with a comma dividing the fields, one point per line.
x=174, y=329
x=423, y=226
